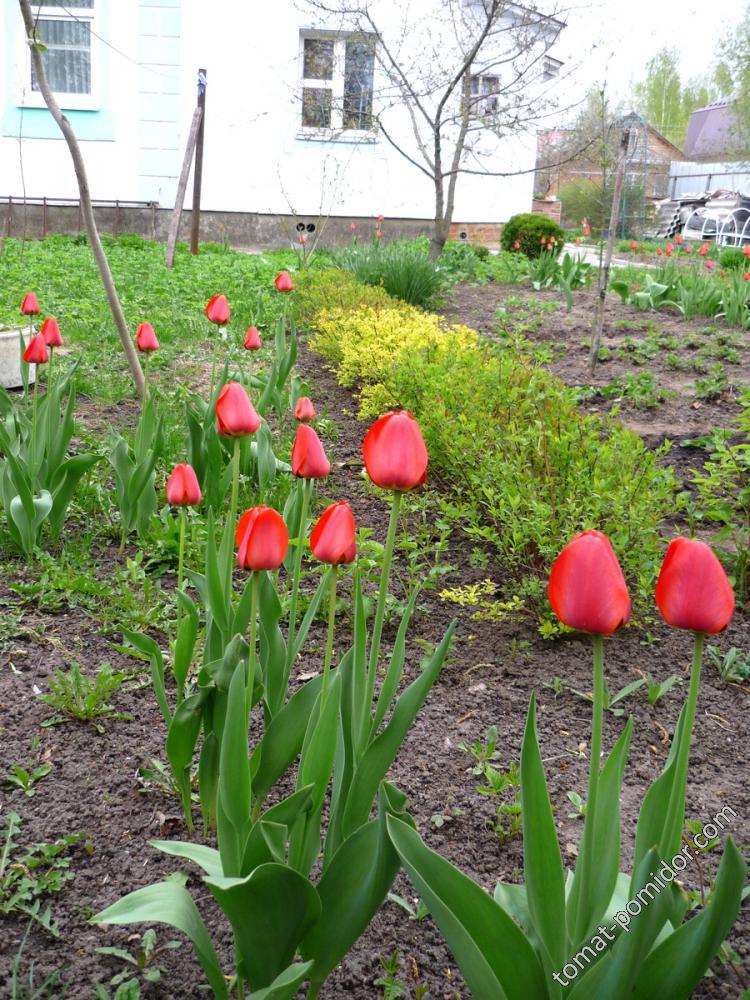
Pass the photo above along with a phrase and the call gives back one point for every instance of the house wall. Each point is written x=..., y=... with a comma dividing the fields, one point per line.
x=255, y=159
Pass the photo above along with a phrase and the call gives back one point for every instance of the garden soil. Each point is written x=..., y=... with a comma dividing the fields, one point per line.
x=489, y=677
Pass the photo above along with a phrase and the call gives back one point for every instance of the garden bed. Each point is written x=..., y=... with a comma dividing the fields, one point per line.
x=94, y=786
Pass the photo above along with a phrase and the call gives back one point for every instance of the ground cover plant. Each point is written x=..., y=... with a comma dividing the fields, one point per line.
x=259, y=674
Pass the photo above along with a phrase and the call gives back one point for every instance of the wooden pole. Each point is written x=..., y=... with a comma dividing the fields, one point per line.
x=174, y=224
x=85, y=200
x=198, y=172
x=611, y=235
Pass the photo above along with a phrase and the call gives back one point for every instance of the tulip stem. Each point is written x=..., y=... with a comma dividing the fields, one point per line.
x=33, y=428
x=253, y=627
x=587, y=839
x=304, y=489
x=180, y=565
x=233, y=504
x=329, y=640
x=49, y=373
x=676, y=809
x=385, y=573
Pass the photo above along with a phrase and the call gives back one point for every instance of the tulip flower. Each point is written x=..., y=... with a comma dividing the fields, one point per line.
x=517, y=245
x=693, y=591
x=352, y=226
x=708, y=264
x=308, y=457
x=687, y=248
x=51, y=332
x=543, y=240
x=394, y=452
x=659, y=251
x=633, y=245
x=578, y=240
x=746, y=276
x=670, y=249
x=145, y=338
x=378, y=234
x=332, y=539
x=703, y=250
x=36, y=353
x=217, y=310
x=235, y=413
x=586, y=589
x=381, y=218
x=283, y=282
x=30, y=305
x=746, y=249
x=262, y=539
x=304, y=410
x=252, y=339
x=182, y=486
x=587, y=232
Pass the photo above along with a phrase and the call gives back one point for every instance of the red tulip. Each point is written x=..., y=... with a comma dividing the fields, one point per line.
x=692, y=591
x=36, y=353
x=302, y=239
x=332, y=539
x=394, y=452
x=145, y=338
x=381, y=218
x=586, y=588
x=262, y=539
x=308, y=458
x=30, y=306
x=51, y=332
x=708, y=264
x=304, y=410
x=182, y=486
x=235, y=414
x=678, y=239
x=217, y=310
x=517, y=245
x=746, y=249
x=633, y=245
x=687, y=248
x=543, y=240
x=587, y=232
x=252, y=339
x=352, y=226
x=378, y=234
x=283, y=282
x=578, y=240
x=746, y=276
x=703, y=250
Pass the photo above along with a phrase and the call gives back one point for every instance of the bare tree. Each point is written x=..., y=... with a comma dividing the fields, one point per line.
x=455, y=78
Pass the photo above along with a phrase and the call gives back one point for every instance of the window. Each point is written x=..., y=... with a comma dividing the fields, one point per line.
x=484, y=99
x=65, y=29
x=337, y=83
x=550, y=68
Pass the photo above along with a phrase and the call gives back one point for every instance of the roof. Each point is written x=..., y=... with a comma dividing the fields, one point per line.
x=711, y=130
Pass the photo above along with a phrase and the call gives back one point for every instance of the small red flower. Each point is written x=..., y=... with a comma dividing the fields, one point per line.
x=746, y=249
x=252, y=339
x=304, y=410
x=262, y=539
x=692, y=591
x=746, y=276
x=51, y=332
x=395, y=453
x=517, y=245
x=578, y=240
x=381, y=218
x=217, y=310
x=36, y=353
x=30, y=305
x=309, y=460
x=352, y=226
x=283, y=282
x=687, y=248
x=235, y=414
x=333, y=538
x=659, y=251
x=703, y=250
x=145, y=338
x=587, y=232
x=543, y=240
x=708, y=264
x=586, y=588
x=378, y=234
x=633, y=245
x=302, y=238
x=182, y=486
x=678, y=239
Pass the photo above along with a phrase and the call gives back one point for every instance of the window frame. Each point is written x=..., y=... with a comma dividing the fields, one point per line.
x=479, y=107
x=336, y=85
x=29, y=98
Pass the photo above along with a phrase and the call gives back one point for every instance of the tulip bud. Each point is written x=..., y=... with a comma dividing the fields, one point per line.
x=308, y=457
x=352, y=226
x=217, y=310
x=30, y=306
x=235, y=414
x=262, y=539
x=304, y=410
x=145, y=338
x=693, y=591
x=633, y=245
x=394, y=452
x=182, y=486
x=36, y=353
x=333, y=538
x=51, y=332
x=586, y=588
x=283, y=282
x=252, y=339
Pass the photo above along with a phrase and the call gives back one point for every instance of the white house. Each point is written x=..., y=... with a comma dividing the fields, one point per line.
x=289, y=109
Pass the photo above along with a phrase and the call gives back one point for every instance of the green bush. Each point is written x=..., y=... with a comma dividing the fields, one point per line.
x=404, y=270
x=317, y=290
x=732, y=258
x=528, y=230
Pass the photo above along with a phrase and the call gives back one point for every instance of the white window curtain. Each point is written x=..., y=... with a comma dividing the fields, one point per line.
x=67, y=39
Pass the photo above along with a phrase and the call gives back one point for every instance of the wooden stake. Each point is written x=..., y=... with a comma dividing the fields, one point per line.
x=174, y=224
x=198, y=172
x=85, y=200
x=611, y=236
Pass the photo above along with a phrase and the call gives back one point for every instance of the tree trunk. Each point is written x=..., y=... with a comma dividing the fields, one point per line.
x=85, y=196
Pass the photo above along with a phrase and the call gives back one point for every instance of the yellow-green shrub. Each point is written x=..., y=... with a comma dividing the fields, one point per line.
x=332, y=289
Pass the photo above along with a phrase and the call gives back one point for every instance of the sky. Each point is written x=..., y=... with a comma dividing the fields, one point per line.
x=616, y=38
